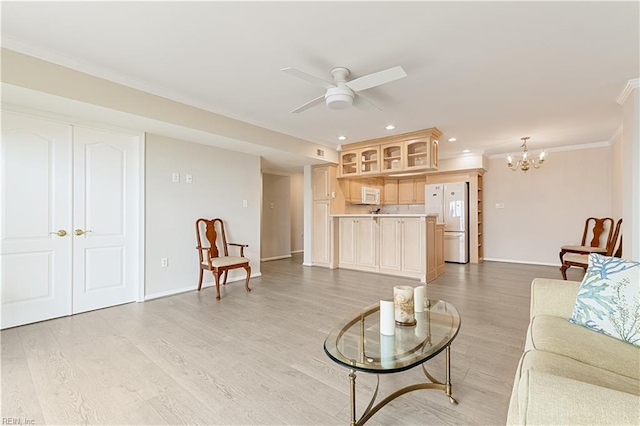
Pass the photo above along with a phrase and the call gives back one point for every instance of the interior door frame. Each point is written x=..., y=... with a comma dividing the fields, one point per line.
x=76, y=121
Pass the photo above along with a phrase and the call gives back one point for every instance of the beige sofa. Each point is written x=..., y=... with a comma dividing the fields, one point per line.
x=569, y=374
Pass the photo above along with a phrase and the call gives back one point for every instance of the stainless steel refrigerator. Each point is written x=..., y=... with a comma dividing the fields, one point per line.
x=451, y=202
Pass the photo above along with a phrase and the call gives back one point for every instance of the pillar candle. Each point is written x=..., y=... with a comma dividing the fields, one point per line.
x=403, y=300
x=418, y=299
x=387, y=319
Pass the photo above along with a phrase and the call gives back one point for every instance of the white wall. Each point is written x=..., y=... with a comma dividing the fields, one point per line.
x=545, y=208
x=616, y=177
x=276, y=212
x=221, y=181
x=297, y=212
x=631, y=176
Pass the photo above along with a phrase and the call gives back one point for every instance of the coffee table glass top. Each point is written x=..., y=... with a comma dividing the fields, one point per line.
x=357, y=343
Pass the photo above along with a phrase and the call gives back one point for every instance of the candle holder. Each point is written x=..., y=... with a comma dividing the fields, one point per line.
x=403, y=306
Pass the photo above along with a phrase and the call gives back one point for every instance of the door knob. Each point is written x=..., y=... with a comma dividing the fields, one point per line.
x=59, y=233
x=79, y=232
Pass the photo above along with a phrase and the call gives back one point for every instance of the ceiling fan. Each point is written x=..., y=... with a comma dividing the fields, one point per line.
x=341, y=94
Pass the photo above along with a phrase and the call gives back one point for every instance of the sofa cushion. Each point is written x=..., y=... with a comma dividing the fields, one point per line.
x=556, y=335
x=608, y=300
x=547, y=399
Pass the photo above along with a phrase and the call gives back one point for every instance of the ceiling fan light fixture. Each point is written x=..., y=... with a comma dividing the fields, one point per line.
x=339, y=98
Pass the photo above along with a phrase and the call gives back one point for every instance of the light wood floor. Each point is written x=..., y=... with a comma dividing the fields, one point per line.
x=257, y=358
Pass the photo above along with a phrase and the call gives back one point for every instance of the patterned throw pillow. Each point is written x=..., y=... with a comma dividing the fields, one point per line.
x=609, y=298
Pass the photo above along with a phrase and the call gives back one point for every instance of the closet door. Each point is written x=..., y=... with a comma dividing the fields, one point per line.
x=36, y=205
x=106, y=215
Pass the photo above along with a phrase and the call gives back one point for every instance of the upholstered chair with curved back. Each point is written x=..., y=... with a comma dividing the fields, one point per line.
x=214, y=260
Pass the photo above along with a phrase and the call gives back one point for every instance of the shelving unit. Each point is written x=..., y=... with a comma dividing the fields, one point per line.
x=480, y=226
x=417, y=154
x=369, y=160
x=349, y=163
x=392, y=157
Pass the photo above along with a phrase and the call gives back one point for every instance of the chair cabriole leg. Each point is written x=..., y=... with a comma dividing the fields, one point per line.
x=246, y=283
x=200, y=279
x=216, y=277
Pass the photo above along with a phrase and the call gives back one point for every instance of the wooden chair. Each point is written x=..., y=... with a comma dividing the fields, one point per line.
x=212, y=259
x=599, y=227
x=581, y=260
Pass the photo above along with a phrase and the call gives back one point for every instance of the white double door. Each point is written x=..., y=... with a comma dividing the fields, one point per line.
x=70, y=219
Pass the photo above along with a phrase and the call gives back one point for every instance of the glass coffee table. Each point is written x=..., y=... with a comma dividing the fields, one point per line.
x=357, y=344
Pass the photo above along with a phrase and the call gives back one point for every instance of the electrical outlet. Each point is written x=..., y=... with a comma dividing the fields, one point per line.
x=499, y=205
x=244, y=203
x=164, y=262
x=176, y=177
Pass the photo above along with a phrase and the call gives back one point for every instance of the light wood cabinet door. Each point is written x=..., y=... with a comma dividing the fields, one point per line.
x=369, y=160
x=405, y=191
x=417, y=153
x=439, y=249
x=412, y=253
x=432, y=267
x=349, y=163
x=355, y=190
x=418, y=188
x=347, y=235
x=390, y=244
x=321, y=249
x=321, y=183
x=366, y=243
x=392, y=157
x=390, y=191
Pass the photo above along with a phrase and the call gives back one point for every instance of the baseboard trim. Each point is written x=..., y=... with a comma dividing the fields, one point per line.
x=487, y=259
x=266, y=259
x=192, y=288
x=297, y=251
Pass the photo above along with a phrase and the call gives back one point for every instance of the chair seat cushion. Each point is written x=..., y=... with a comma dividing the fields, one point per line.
x=576, y=258
x=585, y=249
x=224, y=261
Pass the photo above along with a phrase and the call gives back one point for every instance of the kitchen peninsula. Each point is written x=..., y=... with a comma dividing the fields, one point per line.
x=407, y=245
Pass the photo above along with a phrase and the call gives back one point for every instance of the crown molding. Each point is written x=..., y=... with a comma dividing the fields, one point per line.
x=631, y=84
x=615, y=134
x=562, y=148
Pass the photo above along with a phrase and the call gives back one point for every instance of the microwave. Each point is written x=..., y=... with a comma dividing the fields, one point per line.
x=370, y=195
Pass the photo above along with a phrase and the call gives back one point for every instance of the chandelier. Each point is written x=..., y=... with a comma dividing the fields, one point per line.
x=526, y=162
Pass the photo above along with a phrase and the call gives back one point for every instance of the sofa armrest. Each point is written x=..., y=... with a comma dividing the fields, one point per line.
x=553, y=297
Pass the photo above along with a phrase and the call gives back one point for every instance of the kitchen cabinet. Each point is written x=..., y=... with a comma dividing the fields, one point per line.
x=392, y=157
x=401, y=247
x=321, y=248
x=369, y=160
x=411, y=190
x=432, y=265
x=358, y=238
x=439, y=249
x=390, y=192
x=415, y=151
x=328, y=199
x=349, y=163
x=352, y=188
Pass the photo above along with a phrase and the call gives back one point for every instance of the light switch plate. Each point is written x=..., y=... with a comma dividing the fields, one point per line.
x=244, y=203
x=188, y=178
x=176, y=177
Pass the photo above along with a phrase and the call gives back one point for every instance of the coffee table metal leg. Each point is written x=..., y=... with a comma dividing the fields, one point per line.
x=448, y=378
x=352, y=380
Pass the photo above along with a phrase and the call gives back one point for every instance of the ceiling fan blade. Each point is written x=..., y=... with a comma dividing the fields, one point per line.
x=308, y=77
x=365, y=104
x=376, y=79
x=316, y=101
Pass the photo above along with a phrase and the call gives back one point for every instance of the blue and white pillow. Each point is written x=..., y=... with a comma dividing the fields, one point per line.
x=609, y=298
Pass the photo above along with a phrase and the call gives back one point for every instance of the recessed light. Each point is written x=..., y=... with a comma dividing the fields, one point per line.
x=452, y=139
x=390, y=127
x=464, y=151
x=341, y=138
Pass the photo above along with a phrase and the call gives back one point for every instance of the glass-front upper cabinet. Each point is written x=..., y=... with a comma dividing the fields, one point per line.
x=392, y=157
x=417, y=153
x=369, y=160
x=349, y=163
